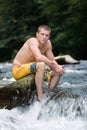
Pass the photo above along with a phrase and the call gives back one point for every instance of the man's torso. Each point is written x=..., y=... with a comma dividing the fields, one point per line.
x=25, y=54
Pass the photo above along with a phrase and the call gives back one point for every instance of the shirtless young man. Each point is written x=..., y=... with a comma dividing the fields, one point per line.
x=36, y=56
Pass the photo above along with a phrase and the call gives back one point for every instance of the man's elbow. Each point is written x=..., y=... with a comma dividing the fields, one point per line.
x=38, y=58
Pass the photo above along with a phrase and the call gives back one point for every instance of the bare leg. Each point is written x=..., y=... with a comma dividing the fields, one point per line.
x=54, y=81
x=39, y=80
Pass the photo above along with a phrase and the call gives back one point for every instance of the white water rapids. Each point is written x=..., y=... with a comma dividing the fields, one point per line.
x=62, y=114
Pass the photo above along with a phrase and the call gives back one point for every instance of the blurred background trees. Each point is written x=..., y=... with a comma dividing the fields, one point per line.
x=19, y=20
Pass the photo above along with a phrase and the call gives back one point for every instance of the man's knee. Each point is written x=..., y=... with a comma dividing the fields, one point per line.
x=41, y=66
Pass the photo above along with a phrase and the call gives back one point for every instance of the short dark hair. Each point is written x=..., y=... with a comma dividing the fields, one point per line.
x=46, y=27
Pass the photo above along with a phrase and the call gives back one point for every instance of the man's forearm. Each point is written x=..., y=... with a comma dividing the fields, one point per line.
x=52, y=63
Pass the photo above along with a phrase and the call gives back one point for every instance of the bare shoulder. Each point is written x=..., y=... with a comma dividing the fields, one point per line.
x=32, y=39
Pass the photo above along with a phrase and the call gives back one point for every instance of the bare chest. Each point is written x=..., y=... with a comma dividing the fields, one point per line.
x=43, y=50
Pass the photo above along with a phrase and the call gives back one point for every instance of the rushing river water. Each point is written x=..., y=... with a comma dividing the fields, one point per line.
x=67, y=113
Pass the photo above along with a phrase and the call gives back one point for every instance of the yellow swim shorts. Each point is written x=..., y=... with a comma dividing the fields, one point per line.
x=29, y=68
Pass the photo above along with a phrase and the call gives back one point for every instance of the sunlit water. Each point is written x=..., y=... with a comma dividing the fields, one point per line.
x=65, y=113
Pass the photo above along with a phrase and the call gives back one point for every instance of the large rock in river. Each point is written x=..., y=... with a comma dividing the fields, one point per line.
x=17, y=93
x=64, y=59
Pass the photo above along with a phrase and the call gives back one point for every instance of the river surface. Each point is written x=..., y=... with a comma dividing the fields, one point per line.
x=67, y=113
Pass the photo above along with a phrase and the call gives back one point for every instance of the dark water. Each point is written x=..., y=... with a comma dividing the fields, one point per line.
x=66, y=113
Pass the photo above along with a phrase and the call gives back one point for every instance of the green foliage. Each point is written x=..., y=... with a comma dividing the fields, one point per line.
x=19, y=20
x=69, y=22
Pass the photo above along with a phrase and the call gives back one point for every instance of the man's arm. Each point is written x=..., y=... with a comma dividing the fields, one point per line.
x=34, y=47
x=48, y=59
x=55, y=66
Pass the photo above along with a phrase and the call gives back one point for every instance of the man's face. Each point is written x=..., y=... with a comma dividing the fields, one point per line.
x=43, y=36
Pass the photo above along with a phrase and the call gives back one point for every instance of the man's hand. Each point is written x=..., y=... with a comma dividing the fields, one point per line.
x=59, y=69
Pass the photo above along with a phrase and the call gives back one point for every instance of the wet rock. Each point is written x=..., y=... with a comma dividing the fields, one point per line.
x=64, y=59
x=17, y=92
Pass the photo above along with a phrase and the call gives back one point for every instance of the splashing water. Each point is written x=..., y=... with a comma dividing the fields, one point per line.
x=66, y=113
x=53, y=115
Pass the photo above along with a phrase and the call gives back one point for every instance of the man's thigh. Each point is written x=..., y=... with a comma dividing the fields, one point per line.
x=24, y=70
